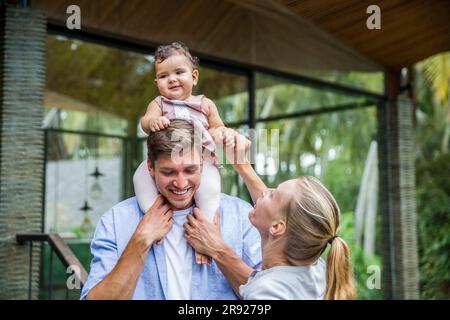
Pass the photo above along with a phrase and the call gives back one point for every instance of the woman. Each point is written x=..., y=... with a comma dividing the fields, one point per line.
x=297, y=221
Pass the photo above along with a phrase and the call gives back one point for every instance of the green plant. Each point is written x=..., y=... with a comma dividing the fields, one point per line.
x=360, y=261
x=433, y=206
x=432, y=183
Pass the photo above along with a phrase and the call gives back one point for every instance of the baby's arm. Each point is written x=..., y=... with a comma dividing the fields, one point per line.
x=214, y=119
x=153, y=119
x=216, y=127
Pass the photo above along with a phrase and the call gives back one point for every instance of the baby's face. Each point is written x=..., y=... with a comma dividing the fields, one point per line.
x=175, y=77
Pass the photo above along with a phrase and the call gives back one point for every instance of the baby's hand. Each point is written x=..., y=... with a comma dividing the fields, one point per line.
x=218, y=134
x=224, y=136
x=239, y=153
x=229, y=137
x=159, y=123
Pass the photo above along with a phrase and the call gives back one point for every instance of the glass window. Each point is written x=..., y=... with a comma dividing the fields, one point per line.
x=228, y=91
x=83, y=77
x=332, y=146
x=71, y=184
x=369, y=81
x=276, y=96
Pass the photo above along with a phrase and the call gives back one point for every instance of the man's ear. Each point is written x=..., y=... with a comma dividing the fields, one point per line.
x=195, y=75
x=278, y=228
x=150, y=168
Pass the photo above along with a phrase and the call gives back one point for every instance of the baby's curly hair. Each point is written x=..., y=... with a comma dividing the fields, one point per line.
x=165, y=51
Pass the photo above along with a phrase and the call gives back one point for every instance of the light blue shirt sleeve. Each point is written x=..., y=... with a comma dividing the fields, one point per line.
x=104, y=251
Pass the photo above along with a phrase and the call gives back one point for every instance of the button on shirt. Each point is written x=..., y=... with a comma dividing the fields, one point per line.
x=117, y=225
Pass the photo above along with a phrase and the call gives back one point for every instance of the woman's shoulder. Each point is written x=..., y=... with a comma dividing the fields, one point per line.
x=262, y=286
x=272, y=284
x=287, y=282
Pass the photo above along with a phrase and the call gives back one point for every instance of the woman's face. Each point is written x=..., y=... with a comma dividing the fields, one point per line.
x=269, y=206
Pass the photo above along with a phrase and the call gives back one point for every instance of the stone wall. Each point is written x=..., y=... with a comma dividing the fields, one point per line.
x=22, y=80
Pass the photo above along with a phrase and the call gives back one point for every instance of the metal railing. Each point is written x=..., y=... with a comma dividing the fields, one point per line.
x=62, y=250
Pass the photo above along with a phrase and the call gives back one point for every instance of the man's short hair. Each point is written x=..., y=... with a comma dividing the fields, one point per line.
x=180, y=135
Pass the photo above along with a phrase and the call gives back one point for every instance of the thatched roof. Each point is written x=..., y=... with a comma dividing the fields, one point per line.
x=410, y=30
x=286, y=35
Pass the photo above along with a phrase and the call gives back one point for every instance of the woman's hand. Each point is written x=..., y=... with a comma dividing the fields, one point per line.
x=223, y=136
x=237, y=152
x=204, y=236
x=239, y=158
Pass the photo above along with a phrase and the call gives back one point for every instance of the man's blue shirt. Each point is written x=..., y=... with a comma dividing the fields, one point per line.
x=117, y=225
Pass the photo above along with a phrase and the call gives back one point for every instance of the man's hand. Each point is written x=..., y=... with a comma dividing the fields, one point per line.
x=156, y=223
x=121, y=282
x=202, y=235
x=159, y=123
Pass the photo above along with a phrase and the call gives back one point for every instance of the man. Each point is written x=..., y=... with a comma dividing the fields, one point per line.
x=146, y=256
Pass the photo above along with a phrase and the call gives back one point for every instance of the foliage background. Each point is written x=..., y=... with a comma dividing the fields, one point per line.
x=431, y=85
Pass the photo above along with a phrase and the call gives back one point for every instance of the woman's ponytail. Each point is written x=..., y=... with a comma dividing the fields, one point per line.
x=312, y=223
x=340, y=285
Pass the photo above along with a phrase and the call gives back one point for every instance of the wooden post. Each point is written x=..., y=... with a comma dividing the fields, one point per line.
x=397, y=193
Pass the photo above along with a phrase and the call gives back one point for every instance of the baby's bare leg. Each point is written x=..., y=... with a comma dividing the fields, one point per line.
x=207, y=198
x=144, y=187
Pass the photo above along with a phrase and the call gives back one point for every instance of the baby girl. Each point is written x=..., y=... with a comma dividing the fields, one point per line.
x=176, y=75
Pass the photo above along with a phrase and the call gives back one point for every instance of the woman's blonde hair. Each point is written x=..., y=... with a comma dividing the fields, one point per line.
x=312, y=219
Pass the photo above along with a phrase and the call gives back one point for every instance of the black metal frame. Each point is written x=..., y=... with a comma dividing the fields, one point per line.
x=61, y=249
x=313, y=112
x=87, y=133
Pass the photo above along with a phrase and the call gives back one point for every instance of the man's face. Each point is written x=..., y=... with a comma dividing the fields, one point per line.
x=177, y=180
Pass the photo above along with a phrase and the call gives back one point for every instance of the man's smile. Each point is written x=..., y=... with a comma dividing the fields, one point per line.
x=180, y=194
